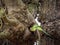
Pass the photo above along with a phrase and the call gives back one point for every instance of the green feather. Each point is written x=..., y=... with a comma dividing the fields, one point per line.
x=36, y=27
x=39, y=28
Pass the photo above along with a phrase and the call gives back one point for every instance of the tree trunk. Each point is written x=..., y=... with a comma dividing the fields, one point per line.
x=18, y=17
x=16, y=22
x=49, y=16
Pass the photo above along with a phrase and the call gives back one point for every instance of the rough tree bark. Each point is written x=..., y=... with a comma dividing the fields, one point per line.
x=16, y=22
x=50, y=19
x=49, y=11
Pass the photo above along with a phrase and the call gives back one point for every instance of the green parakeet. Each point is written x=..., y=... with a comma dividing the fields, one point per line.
x=39, y=28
